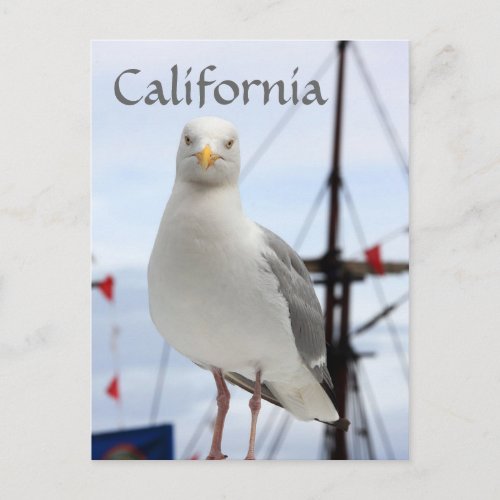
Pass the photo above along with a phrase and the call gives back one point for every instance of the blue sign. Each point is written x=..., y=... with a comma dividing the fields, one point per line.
x=148, y=443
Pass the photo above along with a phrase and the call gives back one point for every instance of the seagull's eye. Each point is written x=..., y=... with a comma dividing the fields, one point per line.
x=229, y=144
x=187, y=140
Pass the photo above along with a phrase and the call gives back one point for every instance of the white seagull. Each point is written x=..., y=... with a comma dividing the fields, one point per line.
x=231, y=295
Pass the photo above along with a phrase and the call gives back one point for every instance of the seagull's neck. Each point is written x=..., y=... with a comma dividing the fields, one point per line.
x=199, y=193
x=217, y=204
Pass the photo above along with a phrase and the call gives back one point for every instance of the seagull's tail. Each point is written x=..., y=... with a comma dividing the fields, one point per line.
x=309, y=402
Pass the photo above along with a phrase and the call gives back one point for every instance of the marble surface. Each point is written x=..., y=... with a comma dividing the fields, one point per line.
x=45, y=248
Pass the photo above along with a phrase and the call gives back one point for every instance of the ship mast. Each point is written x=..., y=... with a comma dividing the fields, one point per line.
x=338, y=275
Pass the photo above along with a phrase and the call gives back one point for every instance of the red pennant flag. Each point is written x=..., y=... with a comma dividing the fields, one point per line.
x=113, y=389
x=106, y=287
x=374, y=258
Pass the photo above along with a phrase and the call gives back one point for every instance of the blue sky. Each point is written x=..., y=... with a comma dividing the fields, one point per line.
x=133, y=155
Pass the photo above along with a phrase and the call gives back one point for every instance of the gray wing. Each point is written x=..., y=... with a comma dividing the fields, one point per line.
x=305, y=311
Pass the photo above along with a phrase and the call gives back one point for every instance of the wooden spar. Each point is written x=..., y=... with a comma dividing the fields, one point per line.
x=356, y=269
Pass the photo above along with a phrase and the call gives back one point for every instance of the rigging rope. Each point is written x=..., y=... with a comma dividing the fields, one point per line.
x=382, y=112
x=205, y=420
x=286, y=421
x=379, y=291
x=267, y=428
x=379, y=421
x=388, y=310
x=353, y=410
x=160, y=379
x=322, y=447
x=384, y=239
x=306, y=225
x=362, y=414
x=286, y=117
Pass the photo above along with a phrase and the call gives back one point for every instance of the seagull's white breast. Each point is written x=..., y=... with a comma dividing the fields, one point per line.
x=211, y=294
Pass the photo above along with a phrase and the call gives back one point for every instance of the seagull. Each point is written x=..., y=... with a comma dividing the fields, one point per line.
x=231, y=295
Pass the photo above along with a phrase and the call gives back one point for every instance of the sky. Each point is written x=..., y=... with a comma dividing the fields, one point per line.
x=133, y=165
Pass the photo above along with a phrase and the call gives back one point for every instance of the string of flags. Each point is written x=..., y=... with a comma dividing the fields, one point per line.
x=107, y=288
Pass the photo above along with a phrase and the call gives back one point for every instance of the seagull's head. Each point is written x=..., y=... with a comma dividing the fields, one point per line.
x=209, y=152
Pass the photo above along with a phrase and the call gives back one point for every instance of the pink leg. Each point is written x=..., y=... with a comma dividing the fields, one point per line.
x=254, y=404
x=223, y=396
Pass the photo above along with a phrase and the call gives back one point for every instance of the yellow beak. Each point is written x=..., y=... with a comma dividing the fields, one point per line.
x=206, y=158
